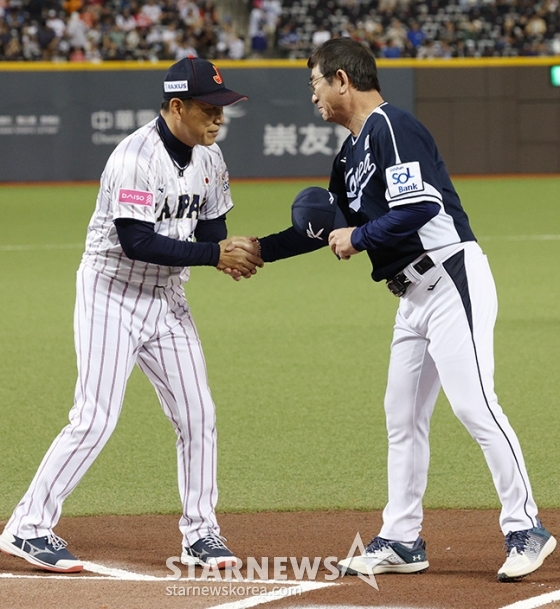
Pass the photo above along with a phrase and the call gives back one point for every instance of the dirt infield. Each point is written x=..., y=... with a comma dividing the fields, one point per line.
x=127, y=557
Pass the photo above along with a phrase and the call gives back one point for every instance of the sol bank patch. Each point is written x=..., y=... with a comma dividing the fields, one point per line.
x=404, y=178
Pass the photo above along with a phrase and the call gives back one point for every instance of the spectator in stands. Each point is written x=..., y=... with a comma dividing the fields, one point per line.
x=230, y=45
x=289, y=40
x=536, y=26
x=169, y=37
x=112, y=47
x=142, y=19
x=95, y=38
x=208, y=12
x=132, y=42
x=397, y=33
x=47, y=40
x=77, y=54
x=13, y=50
x=152, y=11
x=76, y=32
x=257, y=36
x=142, y=51
x=30, y=43
x=460, y=49
x=14, y=17
x=415, y=37
x=117, y=37
x=427, y=50
x=186, y=48
x=320, y=35
x=390, y=50
x=272, y=12
x=125, y=20
x=398, y=8
x=72, y=6
x=372, y=34
x=236, y=48
x=189, y=12
x=56, y=23
x=444, y=50
x=207, y=40
x=5, y=37
x=154, y=39
x=90, y=14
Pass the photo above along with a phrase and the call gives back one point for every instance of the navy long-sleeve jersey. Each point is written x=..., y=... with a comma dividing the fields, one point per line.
x=392, y=184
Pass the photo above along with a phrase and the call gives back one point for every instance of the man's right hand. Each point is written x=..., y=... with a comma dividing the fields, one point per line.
x=239, y=257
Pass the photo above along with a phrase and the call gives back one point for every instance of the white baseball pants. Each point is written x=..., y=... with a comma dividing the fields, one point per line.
x=443, y=337
x=116, y=325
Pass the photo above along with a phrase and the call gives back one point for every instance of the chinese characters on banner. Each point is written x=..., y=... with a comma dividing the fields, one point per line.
x=307, y=140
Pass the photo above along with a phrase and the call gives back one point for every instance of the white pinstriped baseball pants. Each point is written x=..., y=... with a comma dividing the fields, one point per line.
x=116, y=325
x=443, y=338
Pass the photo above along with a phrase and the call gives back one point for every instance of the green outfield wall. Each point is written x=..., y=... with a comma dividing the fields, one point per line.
x=60, y=122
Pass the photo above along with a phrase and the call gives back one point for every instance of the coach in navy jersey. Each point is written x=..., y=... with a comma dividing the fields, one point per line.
x=400, y=206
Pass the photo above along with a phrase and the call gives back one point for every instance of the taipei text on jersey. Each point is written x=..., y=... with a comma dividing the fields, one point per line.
x=141, y=182
x=393, y=162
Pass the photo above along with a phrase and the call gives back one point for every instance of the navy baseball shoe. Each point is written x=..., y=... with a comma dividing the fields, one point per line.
x=526, y=551
x=48, y=553
x=211, y=551
x=384, y=556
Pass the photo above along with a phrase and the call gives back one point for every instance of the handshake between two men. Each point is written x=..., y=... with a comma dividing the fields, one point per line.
x=316, y=221
x=239, y=257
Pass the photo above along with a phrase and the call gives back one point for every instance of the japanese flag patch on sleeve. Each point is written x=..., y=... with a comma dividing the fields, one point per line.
x=404, y=179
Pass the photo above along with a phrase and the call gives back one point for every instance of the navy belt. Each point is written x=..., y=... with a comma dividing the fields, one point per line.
x=399, y=283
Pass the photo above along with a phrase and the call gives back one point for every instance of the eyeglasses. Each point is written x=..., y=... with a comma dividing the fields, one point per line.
x=312, y=83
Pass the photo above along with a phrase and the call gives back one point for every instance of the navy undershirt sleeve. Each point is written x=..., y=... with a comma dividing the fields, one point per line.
x=139, y=242
x=398, y=223
x=287, y=243
x=214, y=230
x=386, y=231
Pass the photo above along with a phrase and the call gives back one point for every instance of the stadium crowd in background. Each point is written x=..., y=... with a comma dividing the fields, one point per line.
x=152, y=30
x=101, y=30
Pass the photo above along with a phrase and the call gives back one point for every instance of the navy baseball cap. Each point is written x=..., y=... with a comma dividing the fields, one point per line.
x=315, y=213
x=195, y=78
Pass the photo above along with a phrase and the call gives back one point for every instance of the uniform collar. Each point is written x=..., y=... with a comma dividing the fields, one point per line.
x=179, y=152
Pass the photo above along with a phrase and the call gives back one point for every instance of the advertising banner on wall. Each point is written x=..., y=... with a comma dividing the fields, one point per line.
x=61, y=125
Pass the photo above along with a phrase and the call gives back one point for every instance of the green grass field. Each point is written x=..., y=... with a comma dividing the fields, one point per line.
x=297, y=358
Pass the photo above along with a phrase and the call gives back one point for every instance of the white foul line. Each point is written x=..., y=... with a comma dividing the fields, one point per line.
x=114, y=573
x=260, y=599
x=101, y=571
x=535, y=601
x=288, y=587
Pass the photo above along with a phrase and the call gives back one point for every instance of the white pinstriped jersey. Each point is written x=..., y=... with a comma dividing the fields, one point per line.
x=141, y=182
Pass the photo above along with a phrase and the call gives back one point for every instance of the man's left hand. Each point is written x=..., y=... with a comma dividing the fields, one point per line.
x=340, y=242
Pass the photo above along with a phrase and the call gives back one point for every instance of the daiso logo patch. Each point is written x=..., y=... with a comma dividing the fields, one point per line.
x=136, y=197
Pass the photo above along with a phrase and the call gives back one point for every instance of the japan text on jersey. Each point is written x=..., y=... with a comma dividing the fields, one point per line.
x=141, y=182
